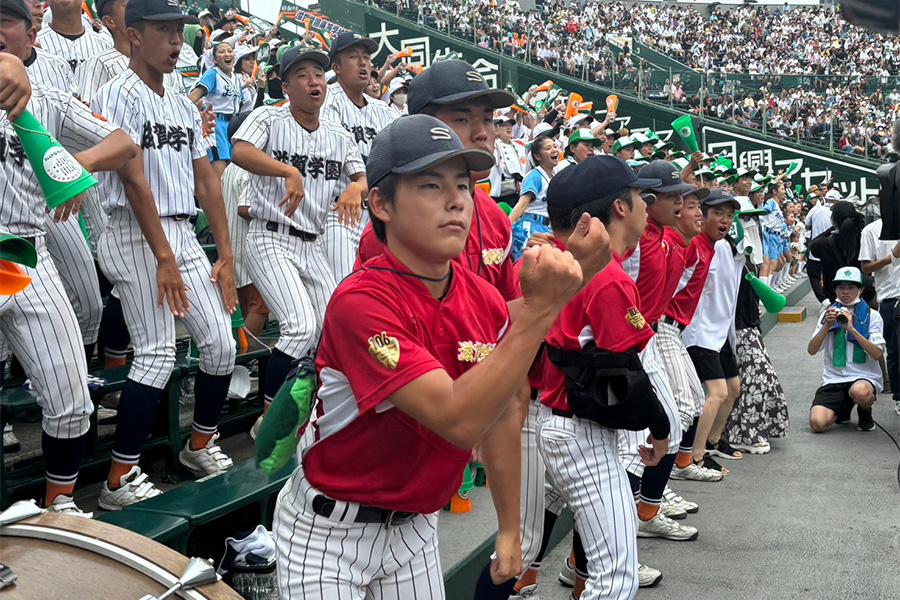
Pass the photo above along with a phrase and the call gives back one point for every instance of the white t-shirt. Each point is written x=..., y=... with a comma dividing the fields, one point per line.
x=869, y=370
x=887, y=279
x=818, y=221
x=714, y=318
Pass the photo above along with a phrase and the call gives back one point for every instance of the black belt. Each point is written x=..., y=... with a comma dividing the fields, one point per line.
x=366, y=514
x=180, y=217
x=670, y=321
x=539, y=218
x=535, y=393
x=276, y=227
x=562, y=413
x=225, y=117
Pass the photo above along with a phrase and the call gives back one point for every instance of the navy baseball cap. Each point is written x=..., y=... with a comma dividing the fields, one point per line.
x=100, y=5
x=155, y=10
x=299, y=53
x=413, y=143
x=452, y=81
x=347, y=39
x=593, y=178
x=718, y=197
x=18, y=8
x=669, y=175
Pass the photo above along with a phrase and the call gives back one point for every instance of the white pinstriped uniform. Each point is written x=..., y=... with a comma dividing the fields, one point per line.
x=341, y=243
x=531, y=495
x=292, y=275
x=370, y=567
x=582, y=458
x=65, y=241
x=72, y=51
x=683, y=379
x=39, y=323
x=236, y=192
x=168, y=130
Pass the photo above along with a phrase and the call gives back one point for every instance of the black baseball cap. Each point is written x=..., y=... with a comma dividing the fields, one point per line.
x=155, y=10
x=299, y=53
x=669, y=175
x=18, y=8
x=347, y=39
x=452, y=81
x=593, y=178
x=415, y=142
x=718, y=197
x=100, y=5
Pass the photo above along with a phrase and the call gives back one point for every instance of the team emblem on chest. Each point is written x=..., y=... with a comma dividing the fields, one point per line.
x=474, y=352
x=492, y=256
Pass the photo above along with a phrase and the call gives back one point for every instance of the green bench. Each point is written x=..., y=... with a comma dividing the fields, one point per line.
x=165, y=529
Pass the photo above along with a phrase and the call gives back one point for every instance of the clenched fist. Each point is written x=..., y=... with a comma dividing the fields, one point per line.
x=549, y=278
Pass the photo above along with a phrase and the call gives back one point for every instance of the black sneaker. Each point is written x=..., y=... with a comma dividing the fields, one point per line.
x=723, y=450
x=843, y=415
x=865, y=423
x=709, y=462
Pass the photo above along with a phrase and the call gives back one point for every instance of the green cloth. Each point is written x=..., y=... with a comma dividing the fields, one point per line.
x=861, y=316
x=284, y=423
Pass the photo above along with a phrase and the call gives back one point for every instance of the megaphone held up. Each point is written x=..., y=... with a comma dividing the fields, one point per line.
x=61, y=176
x=772, y=300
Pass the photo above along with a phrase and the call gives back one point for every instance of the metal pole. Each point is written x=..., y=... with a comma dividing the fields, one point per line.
x=831, y=132
x=671, y=86
x=765, y=114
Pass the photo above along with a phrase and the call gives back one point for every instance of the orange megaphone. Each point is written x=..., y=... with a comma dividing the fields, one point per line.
x=545, y=86
x=417, y=69
x=408, y=51
x=588, y=106
x=612, y=102
x=12, y=279
x=575, y=101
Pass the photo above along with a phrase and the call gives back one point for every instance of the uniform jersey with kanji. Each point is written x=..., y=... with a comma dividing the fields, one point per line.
x=363, y=122
x=74, y=49
x=697, y=256
x=605, y=312
x=169, y=132
x=326, y=159
x=487, y=247
x=22, y=203
x=383, y=329
x=649, y=266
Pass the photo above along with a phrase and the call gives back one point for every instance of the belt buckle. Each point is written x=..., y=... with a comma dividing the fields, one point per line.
x=397, y=518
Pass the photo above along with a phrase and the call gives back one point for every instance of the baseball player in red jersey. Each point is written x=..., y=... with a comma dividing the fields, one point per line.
x=403, y=395
x=39, y=323
x=689, y=238
x=655, y=268
x=600, y=327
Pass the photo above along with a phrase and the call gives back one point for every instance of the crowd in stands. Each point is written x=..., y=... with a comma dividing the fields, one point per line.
x=846, y=99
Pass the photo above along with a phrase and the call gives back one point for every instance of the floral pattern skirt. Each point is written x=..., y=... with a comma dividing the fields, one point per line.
x=761, y=410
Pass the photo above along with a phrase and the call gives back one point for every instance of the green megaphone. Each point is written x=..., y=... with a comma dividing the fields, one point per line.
x=505, y=207
x=61, y=176
x=772, y=300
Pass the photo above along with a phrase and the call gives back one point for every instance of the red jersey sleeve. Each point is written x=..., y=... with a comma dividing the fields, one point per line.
x=367, y=338
x=614, y=316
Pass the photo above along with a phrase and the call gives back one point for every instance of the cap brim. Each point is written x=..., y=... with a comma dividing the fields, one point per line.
x=497, y=98
x=369, y=44
x=476, y=160
x=320, y=58
x=732, y=201
x=186, y=19
x=682, y=188
x=702, y=193
x=644, y=183
x=18, y=10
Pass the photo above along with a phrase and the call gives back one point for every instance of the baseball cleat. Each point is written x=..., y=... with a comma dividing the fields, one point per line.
x=662, y=526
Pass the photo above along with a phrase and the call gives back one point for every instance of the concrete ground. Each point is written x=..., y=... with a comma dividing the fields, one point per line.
x=816, y=518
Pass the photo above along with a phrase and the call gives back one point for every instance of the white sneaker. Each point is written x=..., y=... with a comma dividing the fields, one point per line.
x=10, y=441
x=648, y=576
x=255, y=429
x=695, y=472
x=662, y=526
x=672, y=511
x=65, y=505
x=760, y=447
x=670, y=497
x=528, y=592
x=567, y=574
x=896, y=410
x=106, y=415
x=208, y=460
x=135, y=487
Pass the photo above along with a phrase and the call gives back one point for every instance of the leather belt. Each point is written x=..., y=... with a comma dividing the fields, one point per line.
x=670, y=321
x=180, y=217
x=324, y=506
x=290, y=230
x=568, y=414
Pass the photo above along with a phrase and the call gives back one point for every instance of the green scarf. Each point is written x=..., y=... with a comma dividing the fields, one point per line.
x=861, y=316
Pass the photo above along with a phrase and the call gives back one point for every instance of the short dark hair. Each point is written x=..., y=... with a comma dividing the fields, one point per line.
x=388, y=188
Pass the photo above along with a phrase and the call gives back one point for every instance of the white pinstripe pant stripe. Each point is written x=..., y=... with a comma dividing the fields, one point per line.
x=72, y=255
x=325, y=559
x=40, y=326
x=128, y=262
x=683, y=379
x=582, y=462
x=630, y=441
x=295, y=280
x=532, y=489
x=342, y=244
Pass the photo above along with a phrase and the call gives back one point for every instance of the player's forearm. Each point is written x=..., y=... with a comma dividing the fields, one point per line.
x=815, y=344
x=252, y=159
x=209, y=193
x=871, y=349
x=140, y=198
x=360, y=185
x=501, y=449
x=519, y=209
x=109, y=155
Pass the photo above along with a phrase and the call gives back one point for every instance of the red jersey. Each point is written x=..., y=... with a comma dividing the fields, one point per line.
x=487, y=247
x=651, y=266
x=697, y=257
x=605, y=312
x=382, y=330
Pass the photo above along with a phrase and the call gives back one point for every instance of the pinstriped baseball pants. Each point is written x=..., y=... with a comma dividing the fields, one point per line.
x=683, y=379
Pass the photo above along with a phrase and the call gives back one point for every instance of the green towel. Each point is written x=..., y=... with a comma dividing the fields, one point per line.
x=861, y=316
